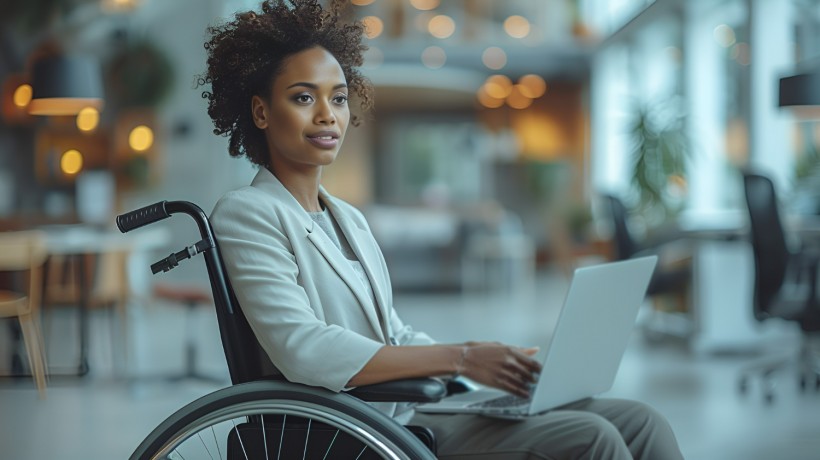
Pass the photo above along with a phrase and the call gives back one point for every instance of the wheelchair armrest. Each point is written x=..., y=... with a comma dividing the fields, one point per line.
x=408, y=390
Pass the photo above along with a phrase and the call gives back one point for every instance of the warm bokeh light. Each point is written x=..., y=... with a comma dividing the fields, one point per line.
x=373, y=26
x=532, y=86
x=141, y=138
x=517, y=26
x=494, y=58
x=441, y=26
x=488, y=101
x=517, y=100
x=498, y=86
x=71, y=162
x=740, y=53
x=361, y=2
x=424, y=5
x=88, y=119
x=433, y=57
x=724, y=35
x=22, y=95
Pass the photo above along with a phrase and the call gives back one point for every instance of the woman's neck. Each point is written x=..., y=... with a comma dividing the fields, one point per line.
x=303, y=187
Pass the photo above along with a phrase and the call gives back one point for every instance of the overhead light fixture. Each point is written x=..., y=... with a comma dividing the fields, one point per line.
x=801, y=93
x=64, y=85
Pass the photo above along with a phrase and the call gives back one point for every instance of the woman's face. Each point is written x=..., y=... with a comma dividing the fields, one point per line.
x=306, y=115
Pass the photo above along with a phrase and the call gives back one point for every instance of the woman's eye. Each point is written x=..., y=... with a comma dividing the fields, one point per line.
x=340, y=99
x=303, y=98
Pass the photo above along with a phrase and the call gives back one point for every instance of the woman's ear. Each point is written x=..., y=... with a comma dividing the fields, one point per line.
x=259, y=112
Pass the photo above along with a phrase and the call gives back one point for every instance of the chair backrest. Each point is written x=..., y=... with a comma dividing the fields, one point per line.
x=25, y=251
x=769, y=246
x=625, y=246
x=247, y=360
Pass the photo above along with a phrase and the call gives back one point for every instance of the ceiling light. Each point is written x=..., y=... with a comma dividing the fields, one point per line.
x=488, y=101
x=433, y=57
x=498, y=86
x=494, y=58
x=517, y=100
x=64, y=85
x=424, y=5
x=532, y=86
x=441, y=26
x=373, y=26
x=517, y=26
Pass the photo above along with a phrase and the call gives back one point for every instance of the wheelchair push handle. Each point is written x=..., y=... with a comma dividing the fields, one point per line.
x=142, y=217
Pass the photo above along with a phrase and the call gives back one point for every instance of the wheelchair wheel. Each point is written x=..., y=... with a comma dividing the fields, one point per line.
x=272, y=420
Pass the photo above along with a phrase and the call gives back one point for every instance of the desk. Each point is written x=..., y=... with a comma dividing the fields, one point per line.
x=78, y=241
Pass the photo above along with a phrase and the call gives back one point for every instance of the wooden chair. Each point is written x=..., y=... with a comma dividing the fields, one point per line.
x=25, y=251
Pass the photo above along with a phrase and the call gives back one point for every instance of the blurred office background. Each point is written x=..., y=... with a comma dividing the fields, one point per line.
x=506, y=135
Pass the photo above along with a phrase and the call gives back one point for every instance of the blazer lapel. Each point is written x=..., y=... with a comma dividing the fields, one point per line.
x=334, y=257
x=265, y=180
x=359, y=241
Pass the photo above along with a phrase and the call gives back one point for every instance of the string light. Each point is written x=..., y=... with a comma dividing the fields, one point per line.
x=71, y=162
x=141, y=138
x=22, y=95
x=88, y=119
x=425, y=5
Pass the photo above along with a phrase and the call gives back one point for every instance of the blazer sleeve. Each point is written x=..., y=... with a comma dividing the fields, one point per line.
x=260, y=263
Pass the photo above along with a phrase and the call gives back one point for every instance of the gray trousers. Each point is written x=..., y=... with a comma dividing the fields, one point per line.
x=610, y=429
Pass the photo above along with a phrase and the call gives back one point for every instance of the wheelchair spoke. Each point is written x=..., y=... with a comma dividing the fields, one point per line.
x=264, y=436
x=205, y=446
x=241, y=444
x=307, y=436
x=282, y=436
x=176, y=454
x=216, y=443
x=331, y=444
x=360, y=453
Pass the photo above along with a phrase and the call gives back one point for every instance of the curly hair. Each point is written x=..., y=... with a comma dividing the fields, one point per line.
x=246, y=54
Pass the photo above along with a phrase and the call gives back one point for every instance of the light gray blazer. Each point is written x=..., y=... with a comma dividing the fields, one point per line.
x=308, y=308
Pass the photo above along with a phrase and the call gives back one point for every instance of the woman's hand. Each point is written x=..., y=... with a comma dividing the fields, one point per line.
x=501, y=366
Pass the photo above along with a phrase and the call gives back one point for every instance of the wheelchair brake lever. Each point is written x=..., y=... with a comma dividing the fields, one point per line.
x=170, y=262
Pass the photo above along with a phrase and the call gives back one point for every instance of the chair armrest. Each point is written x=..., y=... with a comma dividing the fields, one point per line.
x=422, y=390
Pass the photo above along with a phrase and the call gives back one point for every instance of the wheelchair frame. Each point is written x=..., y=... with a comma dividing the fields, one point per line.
x=258, y=390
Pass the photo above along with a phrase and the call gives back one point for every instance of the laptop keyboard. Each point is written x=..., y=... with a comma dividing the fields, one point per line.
x=501, y=401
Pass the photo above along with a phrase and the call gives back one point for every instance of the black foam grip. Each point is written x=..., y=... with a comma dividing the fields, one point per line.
x=142, y=216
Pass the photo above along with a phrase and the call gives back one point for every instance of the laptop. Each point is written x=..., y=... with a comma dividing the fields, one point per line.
x=581, y=358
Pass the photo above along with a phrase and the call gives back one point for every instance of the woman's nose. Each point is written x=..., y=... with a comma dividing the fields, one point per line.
x=324, y=114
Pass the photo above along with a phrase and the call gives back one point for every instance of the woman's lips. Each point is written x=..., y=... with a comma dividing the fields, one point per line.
x=324, y=140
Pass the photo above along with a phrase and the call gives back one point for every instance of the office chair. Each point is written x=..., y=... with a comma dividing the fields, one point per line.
x=262, y=413
x=665, y=279
x=785, y=284
x=670, y=281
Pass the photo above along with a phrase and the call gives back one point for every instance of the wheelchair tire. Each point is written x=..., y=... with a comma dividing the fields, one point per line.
x=201, y=429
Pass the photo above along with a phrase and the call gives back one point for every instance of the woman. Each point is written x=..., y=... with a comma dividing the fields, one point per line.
x=309, y=275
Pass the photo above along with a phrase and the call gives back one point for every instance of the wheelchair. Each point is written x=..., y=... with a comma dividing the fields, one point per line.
x=263, y=416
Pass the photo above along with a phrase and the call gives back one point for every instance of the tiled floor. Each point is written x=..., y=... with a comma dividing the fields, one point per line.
x=104, y=415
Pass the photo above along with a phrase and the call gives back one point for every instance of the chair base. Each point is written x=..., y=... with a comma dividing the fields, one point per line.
x=805, y=364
